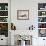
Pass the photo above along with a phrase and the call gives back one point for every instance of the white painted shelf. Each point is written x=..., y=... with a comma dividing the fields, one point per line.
x=42, y=16
x=3, y=16
x=3, y=22
x=41, y=22
x=42, y=10
x=41, y=28
x=3, y=10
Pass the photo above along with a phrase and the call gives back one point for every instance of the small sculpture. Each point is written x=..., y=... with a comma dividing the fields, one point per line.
x=31, y=27
x=13, y=27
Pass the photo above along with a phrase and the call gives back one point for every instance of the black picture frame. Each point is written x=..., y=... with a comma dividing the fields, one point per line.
x=22, y=14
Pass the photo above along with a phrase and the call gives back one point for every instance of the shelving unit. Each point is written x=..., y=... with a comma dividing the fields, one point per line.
x=4, y=19
x=42, y=19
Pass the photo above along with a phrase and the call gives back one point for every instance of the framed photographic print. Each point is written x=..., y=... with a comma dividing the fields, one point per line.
x=22, y=14
x=42, y=32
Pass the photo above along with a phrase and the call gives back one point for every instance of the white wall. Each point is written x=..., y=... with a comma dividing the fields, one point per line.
x=32, y=6
x=24, y=5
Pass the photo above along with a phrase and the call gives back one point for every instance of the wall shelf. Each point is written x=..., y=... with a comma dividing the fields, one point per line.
x=3, y=22
x=4, y=19
x=42, y=16
x=41, y=22
x=3, y=16
x=42, y=19
x=41, y=28
x=41, y=10
x=3, y=10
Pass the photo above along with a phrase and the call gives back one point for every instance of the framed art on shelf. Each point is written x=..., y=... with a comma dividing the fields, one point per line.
x=42, y=32
x=22, y=14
